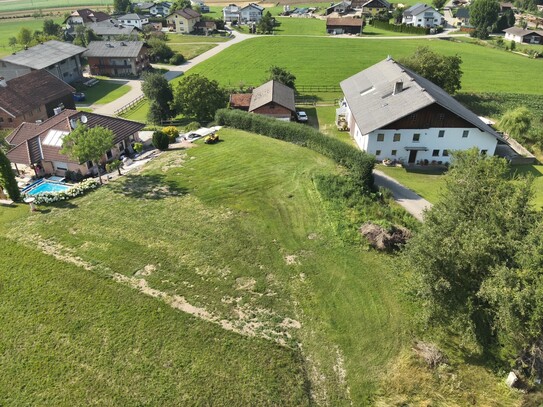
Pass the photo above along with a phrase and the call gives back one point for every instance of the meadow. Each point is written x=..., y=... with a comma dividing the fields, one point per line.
x=327, y=61
x=103, y=92
x=22, y=5
x=10, y=28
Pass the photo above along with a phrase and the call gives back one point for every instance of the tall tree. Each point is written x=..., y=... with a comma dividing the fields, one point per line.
x=180, y=5
x=88, y=144
x=266, y=24
x=24, y=36
x=120, y=6
x=442, y=70
x=7, y=178
x=159, y=92
x=438, y=4
x=279, y=74
x=516, y=122
x=484, y=17
x=397, y=14
x=479, y=224
x=159, y=51
x=51, y=28
x=198, y=97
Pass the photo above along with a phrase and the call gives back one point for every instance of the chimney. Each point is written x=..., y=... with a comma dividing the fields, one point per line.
x=398, y=87
x=3, y=82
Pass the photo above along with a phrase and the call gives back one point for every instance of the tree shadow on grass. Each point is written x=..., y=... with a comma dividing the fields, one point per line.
x=148, y=186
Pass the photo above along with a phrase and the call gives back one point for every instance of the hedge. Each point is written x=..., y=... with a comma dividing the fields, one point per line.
x=401, y=28
x=358, y=162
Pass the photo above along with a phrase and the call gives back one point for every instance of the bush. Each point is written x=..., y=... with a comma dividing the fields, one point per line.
x=161, y=140
x=192, y=126
x=76, y=190
x=177, y=59
x=357, y=162
x=138, y=147
x=172, y=133
x=402, y=28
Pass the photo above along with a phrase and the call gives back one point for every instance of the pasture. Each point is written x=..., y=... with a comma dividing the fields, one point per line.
x=10, y=28
x=22, y=5
x=327, y=61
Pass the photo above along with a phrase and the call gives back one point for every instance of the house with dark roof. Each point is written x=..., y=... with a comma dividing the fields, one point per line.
x=32, y=97
x=133, y=20
x=162, y=8
x=341, y=8
x=82, y=17
x=183, y=21
x=374, y=7
x=524, y=35
x=117, y=58
x=271, y=99
x=391, y=112
x=38, y=145
x=112, y=29
x=61, y=59
x=462, y=17
x=422, y=15
x=344, y=25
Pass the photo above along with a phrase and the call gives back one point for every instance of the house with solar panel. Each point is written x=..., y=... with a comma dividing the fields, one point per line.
x=393, y=113
x=60, y=59
x=37, y=145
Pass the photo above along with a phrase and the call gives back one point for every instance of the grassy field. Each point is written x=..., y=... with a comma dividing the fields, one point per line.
x=193, y=39
x=139, y=113
x=337, y=59
x=10, y=28
x=190, y=51
x=45, y=4
x=103, y=92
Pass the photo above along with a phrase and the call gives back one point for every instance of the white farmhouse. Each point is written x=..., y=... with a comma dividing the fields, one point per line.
x=133, y=20
x=248, y=14
x=395, y=114
x=422, y=15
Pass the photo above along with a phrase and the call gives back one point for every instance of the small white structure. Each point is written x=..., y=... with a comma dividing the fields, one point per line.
x=524, y=36
x=422, y=15
x=133, y=20
x=396, y=114
x=511, y=379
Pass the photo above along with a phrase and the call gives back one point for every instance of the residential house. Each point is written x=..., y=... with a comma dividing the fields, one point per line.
x=524, y=35
x=422, y=15
x=391, y=112
x=112, y=29
x=374, y=7
x=200, y=5
x=462, y=17
x=38, y=145
x=134, y=20
x=340, y=8
x=61, y=59
x=143, y=7
x=163, y=9
x=32, y=97
x=271, y=99
x=207, y=27
x=117, y=58
x=85, y=16
x=345, y=25
x=251, y=13
x=183, y=21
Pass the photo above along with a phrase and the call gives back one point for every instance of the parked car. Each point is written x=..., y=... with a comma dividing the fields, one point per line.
x=301, y=117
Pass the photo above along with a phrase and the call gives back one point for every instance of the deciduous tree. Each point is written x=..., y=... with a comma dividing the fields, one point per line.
x=7, y=178
x=51, y=28
x=24, y=36
x=198, y=97
x=484, y=16
x=442, y=70
x=88, y=144
x=266, y=24
x=159, y=92
x=279, y=74
x=516, y=122
x=120, y=6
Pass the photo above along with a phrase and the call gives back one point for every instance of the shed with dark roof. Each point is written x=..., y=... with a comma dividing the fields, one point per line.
x=345, y=25
x=273, y=99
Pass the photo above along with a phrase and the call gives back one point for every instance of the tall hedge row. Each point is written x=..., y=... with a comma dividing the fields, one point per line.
x=401, y=28
x=358, y=162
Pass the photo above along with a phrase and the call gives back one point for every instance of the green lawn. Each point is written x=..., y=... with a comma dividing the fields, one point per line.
x=139, y=113
x=300, y=26
x=45, y=4
x=183, y=39
x=11, y=27
x=190, y=51
x=103, y=92
x=337, y=59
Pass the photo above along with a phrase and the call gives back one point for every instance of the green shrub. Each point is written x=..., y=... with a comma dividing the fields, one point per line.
x=401, y=28
x=192, y=126
x=161, y=140
x=357, y=162
x=172, y=133
x=177, y=59
x=138, y=147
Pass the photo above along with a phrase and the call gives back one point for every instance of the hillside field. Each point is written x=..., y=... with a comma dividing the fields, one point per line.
x=10, y=28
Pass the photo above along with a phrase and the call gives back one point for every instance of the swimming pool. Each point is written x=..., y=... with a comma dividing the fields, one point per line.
x=43, y=186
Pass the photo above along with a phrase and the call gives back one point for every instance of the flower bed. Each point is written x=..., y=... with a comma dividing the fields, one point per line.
x=76, y=190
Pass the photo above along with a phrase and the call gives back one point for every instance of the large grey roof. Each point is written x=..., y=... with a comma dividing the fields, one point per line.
x=273, y=91
x=370, y=97
x=115, y=49
x=462, y=12
x=111, y=27
x=131, y=16
x=417, y=9
x=43, y=55
x=522, y=31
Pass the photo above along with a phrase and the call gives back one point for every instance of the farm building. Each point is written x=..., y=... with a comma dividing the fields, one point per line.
x=60, y=59
x=345, y=25
x=524, y=36
x=38, y=145
x=183, y=21
x=422, y=15
x=270, y=99
x=117, y=58
x=32, y=97
x=393, y=113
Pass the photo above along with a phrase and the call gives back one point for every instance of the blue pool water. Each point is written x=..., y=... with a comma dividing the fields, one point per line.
x=45, y=186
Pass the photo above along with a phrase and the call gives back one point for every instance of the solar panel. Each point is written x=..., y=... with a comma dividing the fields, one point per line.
x=54, y=138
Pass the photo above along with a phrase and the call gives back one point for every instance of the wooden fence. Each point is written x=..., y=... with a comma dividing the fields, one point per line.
x=129, y=106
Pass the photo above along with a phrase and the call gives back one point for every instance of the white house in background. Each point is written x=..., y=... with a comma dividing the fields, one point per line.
x=393, y=113
x=522, y=35
x=163, y=8
x=422, y=15
x=133, y=20
x=250, y=13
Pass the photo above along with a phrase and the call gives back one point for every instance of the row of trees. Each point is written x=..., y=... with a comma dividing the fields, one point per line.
x=477, y=261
